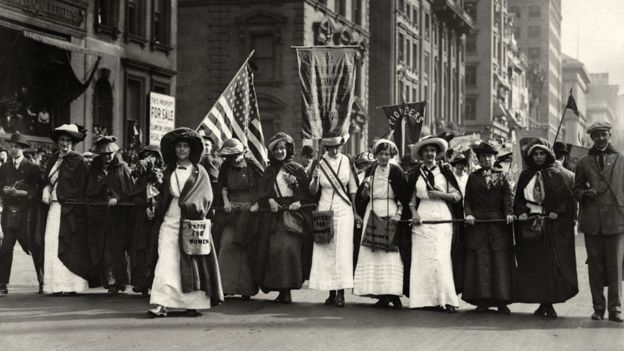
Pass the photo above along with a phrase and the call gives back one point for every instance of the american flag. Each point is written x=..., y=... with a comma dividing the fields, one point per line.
x=235, y=115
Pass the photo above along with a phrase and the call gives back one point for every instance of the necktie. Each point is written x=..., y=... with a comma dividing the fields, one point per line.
x=601, y=160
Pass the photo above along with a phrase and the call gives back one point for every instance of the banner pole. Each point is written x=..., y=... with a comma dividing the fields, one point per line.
x=560, y=123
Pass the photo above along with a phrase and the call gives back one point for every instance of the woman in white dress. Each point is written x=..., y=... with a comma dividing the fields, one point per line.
x=332, y=263
x=66, y=252
x=379, y=272
x=435, y=191
x=183, y=281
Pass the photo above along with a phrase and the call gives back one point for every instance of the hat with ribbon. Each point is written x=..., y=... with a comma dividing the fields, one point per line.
x=71, y=130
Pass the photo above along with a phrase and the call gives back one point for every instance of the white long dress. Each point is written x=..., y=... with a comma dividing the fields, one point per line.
x=379, y=272
x=332, y=263
x=56, y=277
x=431, y=274
x=167, y=285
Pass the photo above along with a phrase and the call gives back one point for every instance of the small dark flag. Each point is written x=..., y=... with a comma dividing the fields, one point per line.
x=572, y=104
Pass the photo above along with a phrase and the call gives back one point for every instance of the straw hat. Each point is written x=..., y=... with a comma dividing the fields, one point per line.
x=333, y=141
x=440, y=143
x=71, y=130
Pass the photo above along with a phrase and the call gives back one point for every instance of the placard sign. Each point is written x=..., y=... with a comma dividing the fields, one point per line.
x=162, y=116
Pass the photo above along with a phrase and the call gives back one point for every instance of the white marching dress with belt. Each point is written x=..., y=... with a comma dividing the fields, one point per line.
x=332, y=263
x=379, y=272
x=56, y=277
x=431, y=274
x=167, y=286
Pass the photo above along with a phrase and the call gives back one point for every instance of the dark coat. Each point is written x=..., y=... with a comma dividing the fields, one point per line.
x=28, y=178
x=73, y=249
x=546, y=267
x=605, y=213
x=268, y=221
x=109, y=227
x=457, y=210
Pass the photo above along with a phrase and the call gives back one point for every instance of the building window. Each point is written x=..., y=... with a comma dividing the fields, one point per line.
x=435, y=33
x=427, y=33
x=161, y=23
x=401, y=5
x=516, y=11
x=426, y=66
x=415, y=56
x=408, y=48
x=107, y=17
x=135, y=112
x=495, y=43
x=415, y=16
x=341, y=7
x=401, y=48
x=135, y=23
x=471, y=109
x=533, y=32
x=400, y=93
x=264, y=56
x=471, y=75
x=356, y=12
x=535, y=11
x=471, y=43
x=103, y=106
x=471, y=10
x=414, y=94
x=534, y=53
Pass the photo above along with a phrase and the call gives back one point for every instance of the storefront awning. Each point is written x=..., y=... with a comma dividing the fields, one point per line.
x=50, y=39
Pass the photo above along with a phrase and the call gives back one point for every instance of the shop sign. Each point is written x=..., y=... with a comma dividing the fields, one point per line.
x=67, y=12
x=162, y=116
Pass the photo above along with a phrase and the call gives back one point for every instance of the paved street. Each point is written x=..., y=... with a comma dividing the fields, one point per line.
x=92, y=321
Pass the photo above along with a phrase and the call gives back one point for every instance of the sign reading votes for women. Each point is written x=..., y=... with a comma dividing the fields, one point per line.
x=162, y=116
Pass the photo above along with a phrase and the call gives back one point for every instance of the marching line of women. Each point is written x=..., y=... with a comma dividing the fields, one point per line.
x=206, y=225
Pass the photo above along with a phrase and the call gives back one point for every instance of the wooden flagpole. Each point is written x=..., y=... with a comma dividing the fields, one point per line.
x=562, y=118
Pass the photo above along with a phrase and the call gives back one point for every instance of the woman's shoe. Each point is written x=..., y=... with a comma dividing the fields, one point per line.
x=340, y=300
x=482, y=308
x=70, y=293
x=503, y=309
x=540, y=311
x=450, y=309
x=112, y=291
x=331, y=300
x=193, y=313
x=158, y=311
x=550, y=312
x=382, y=303
x=245, y=297
x=396, y=302
x=286, y=297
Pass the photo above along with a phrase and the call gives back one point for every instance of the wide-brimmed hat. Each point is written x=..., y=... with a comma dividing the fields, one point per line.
x=484, y=148
x=365, y=158
x=379, y=142
x=560, y=148
x=232, y=147
x=440, y=143
x=169, y=141
x=307, y=150
x=20, y=140
x=70, y=130
x=333, y=141
x=458, y=158
x=105, y=145
x=149, y=149
x=506, y=157
x=596, y=126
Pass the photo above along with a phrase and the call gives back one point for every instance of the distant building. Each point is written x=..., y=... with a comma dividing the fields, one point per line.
x=215, y=36
x=602, y=101
x=497, y=95
x=49, y=51
x=417, y=51
x=538, y=32
x=575, y=77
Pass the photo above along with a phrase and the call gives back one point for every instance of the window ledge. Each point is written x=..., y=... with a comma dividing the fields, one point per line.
x=104, y=29
x=134, y=38
x=154, y=45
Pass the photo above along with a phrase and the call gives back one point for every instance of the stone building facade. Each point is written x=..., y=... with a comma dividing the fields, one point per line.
x=92, y=63
x=215, y=37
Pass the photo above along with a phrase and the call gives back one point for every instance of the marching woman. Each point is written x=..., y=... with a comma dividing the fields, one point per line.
x=66, y=252
x=545, y=256
x=332, y=262
x=279, y=261
x=146, y=196
x=181, y=279
x=379, y=270
x=436, y=197
x=238, y=181
x=489, y=257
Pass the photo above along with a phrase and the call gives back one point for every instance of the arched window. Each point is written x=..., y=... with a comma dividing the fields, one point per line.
x=103, y=106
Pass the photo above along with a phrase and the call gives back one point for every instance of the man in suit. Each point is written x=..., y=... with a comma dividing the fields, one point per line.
x=20, y=181
x=599, y=187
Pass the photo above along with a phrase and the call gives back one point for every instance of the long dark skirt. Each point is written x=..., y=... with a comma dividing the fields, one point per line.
x=488, y=277
x=284, y=264
x=546, y=268
x=236, y=274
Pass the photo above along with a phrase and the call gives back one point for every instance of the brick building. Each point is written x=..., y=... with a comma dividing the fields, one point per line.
x=50, y=76
x=417, y=49
x=215, y=36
